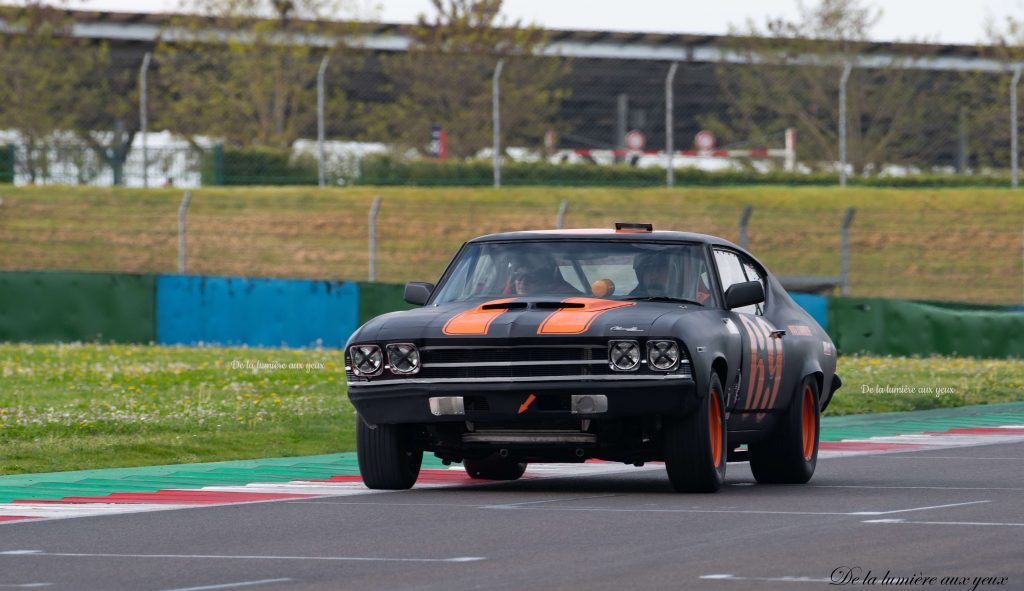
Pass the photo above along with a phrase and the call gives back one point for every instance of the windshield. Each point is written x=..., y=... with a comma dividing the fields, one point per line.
x=561, y=269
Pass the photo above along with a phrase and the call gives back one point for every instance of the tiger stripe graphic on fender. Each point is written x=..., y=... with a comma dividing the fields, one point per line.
x=578, y=320
x=765, y=368
x=475, y=321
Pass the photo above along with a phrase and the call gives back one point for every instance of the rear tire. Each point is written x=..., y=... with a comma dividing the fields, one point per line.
x=389, y=458
x=695, y=446
x=790, y=455
x=494, y=468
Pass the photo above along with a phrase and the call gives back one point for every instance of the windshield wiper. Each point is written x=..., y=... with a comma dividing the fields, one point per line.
x=662, y=299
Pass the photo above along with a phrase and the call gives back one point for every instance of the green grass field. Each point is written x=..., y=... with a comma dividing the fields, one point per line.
x=936, y=244
x=83, y=406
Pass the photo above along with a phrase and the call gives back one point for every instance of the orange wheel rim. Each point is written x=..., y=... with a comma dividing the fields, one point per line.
x=809, y=423
x=715, y=428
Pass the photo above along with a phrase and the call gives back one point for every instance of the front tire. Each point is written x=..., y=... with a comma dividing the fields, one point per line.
x=389, y=458
x=790, y=455
x=493, y=468
x=695, y=446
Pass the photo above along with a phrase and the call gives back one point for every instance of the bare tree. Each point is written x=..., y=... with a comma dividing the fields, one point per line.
x=245, y=70
x=445, y=77
x=793, y=81
x=55, y=88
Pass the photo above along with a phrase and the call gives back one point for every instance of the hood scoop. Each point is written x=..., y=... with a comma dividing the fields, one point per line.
x=558, y=305
x=534, y=305
x=505, y=306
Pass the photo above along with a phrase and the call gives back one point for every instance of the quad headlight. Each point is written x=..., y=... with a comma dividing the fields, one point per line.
x=404, y=358
x=663, y=355
x=367, y=360
x=624, y=355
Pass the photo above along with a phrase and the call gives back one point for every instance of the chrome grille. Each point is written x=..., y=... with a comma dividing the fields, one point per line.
x=496, y=364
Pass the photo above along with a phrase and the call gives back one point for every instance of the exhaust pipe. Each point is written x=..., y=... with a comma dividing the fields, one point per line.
x=579, y=452
x=503, y=453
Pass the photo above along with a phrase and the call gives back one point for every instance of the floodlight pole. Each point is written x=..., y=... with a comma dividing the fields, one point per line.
x=847, y=68
x=496, y=109
x=670, y=149
x=320, y=107
x=144, y=114
x=1014, y=129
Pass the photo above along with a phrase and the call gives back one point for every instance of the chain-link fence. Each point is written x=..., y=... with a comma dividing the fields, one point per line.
x=355, y=116
x=967, y=247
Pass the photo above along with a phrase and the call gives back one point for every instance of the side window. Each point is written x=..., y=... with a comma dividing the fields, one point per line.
x=731, y=272
x=753, y=275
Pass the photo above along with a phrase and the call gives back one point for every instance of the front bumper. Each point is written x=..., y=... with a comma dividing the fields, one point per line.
x=503, y=401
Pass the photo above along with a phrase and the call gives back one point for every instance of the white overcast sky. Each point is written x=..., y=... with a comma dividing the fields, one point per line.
x=941, y=21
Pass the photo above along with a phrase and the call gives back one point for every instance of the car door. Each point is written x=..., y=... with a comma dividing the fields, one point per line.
x=762, y=353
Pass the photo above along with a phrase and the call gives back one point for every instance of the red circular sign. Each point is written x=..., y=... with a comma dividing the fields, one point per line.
x=636, y=140
x=704, y=140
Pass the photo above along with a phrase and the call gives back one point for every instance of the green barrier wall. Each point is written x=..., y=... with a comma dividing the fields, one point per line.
x=900, y=327
x=46, y=307
x=380, y=298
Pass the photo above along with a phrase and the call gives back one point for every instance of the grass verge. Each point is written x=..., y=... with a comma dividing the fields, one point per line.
x=84, y=406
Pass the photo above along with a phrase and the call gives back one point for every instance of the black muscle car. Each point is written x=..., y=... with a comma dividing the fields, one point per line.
x=626, y=345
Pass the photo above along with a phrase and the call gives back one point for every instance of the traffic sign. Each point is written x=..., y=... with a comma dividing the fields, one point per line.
x=704, y=140
x=636, y=140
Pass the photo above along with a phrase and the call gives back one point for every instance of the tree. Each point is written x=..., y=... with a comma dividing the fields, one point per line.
x=987, y=105
x=445, y=79
x=55, y=88
x=256, y=85
x=792, y=80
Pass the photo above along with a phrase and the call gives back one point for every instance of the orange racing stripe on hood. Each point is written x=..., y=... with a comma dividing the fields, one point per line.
x=578, y=320
x=475, y=321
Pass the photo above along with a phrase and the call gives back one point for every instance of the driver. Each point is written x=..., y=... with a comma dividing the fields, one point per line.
x=528, y=282
x=652, y=276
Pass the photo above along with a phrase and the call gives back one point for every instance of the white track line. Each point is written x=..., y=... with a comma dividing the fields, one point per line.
x=232, y=585
x=766, y=579
x=523, y=507
x=243, y=557
x=51, y=510
x=920, y=508
x=903, y=521
x=883, y=487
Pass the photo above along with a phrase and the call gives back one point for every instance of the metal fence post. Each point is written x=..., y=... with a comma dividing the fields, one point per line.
x=218, y=165
x=847, y=68
x=8, y=169
x=789, y=162
x=496, y=113
x=144, y=114
x=744, y=220
x=320, y=102
x=670, y=148
x=372, y=274
x=560, y=220
x=844, y=252
x=1014, y=129
x=181, y=231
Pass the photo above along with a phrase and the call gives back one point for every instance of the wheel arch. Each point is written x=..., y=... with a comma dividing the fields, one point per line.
x=721, y=368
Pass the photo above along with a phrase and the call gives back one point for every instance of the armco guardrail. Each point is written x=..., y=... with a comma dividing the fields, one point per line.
x=901, y=327
x=48, y=307
x=256, y=312
x=263, y=312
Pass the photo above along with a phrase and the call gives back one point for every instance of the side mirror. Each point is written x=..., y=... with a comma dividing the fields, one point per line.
x=417, y=293
x=747, y=293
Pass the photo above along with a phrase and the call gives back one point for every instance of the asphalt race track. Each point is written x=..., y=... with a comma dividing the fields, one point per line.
x=936, y=513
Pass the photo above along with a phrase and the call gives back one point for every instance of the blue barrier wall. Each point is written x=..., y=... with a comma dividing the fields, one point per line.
x=815, y=305
x=255, y=312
